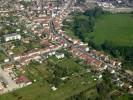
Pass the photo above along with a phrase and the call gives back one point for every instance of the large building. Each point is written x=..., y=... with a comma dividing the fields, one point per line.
x=12, y=36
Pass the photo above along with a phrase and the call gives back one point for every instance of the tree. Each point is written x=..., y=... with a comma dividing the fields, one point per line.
x=96, y=12
x=80, y=1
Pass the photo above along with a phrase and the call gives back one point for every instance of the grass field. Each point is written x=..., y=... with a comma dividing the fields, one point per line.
x=2, y=56
x=66, y=63
x=117, y=28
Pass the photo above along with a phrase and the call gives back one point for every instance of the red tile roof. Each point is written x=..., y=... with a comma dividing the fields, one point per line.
x=22, y=79
x=98, y=63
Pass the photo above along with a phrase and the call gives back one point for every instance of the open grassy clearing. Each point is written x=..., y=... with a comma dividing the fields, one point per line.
x=21, y=47
x=2, y=56
x=117, y=28
x=124, y=97
x=37, y=72
x=66, y=63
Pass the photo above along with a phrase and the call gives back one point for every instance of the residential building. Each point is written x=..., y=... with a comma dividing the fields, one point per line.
x=12, y=36
x=60, y=55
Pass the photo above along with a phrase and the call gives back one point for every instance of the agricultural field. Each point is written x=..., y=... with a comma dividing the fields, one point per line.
x=116, y=28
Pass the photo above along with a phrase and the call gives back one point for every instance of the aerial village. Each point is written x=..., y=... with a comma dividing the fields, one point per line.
x=43, y=36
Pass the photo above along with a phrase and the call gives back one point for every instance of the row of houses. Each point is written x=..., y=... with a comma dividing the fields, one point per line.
x=87, y=58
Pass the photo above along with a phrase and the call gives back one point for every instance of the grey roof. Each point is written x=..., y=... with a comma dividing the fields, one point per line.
x=58, y=54
x=11, y=34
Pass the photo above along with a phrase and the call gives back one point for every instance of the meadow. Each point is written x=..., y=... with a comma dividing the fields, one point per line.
x=116, y=28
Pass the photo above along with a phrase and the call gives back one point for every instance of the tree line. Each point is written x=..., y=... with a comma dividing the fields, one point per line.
x=83, y=22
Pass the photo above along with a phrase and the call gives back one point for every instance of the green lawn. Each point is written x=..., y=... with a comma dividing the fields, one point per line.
x=37, y=72
x=2, y=56
x=124, y=97
x=70, y=33
x=91, y=94
x=70, y=64
x=117, y=28
x=21, y=47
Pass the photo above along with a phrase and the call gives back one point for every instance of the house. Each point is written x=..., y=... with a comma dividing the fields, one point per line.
x=6, y=60
x=9, y=67
x=89, y=60
x=60, y=55
x=23, y=80
x=100, y=76
x=81, y=56
x=118, y=64
x=54, y=88
x=63, y=78
x=45, y=56
x=17, y=58
x=87, y=49
x=13, y=36
x=97, y=63
x=10, y=53
x=52, y=53
x=105, y=67
x=113, y=71
x=66, y=45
